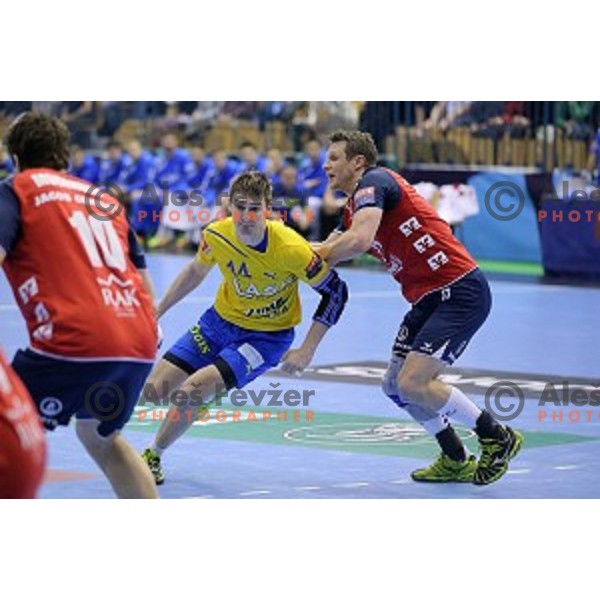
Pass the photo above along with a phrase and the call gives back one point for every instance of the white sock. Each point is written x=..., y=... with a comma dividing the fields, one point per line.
x=431, y=422
x=460, y=408
x=157, y=449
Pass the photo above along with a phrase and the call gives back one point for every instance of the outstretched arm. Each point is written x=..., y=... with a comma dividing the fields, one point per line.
x=334, y=295
x=189, y=279
x=356, y=240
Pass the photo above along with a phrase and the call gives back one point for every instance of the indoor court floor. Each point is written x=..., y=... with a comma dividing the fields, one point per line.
x=351, y=441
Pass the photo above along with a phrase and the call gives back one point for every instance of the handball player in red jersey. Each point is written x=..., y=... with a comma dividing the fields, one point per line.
x=450, y=299
x=79, y=278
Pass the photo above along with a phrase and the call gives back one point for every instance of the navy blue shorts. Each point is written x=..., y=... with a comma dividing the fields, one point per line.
x=442, y=323
x=241, y=355
x=104, y=390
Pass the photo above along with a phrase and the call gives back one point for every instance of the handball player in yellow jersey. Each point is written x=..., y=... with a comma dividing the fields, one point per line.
x=250, y=328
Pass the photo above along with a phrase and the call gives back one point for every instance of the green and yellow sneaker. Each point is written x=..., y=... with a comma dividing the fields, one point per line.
x=153, y=461
x=446, y=470
x=495, y=456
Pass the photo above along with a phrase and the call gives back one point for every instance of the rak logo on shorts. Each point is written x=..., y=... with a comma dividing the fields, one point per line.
x=50, y=407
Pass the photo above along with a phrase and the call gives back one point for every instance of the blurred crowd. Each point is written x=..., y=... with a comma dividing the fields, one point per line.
x=170, y=193
x=92, y=123
x=156, y=151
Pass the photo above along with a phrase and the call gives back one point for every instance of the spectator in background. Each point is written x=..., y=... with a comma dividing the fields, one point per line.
x=114, y=168
x=275, y=163
x=445, y=115
x=82, y=119
x=83, y=165
x=144, y=207
x=197, y=183
x=575, y=118
x=6, y=164
x=289, y=196
x=113, y=115
x=377, y=117
x=201, y=166
x=330, y=213
x=239, y=111
x=272, y=111
x=173, y=168
x=219, y=177
x=303, y=121
x=251, y=160
x=311, y=173
x=202, y=119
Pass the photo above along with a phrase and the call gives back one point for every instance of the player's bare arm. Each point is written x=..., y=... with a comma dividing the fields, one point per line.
x=2, y=255
x=356, y=240
x=334, y=295
x=188, y=280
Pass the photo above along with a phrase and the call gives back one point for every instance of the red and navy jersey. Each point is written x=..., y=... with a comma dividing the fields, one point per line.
x=415, y=244
x=74, y=276
x=23, y=447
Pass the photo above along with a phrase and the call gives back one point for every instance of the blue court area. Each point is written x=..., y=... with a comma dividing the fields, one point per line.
x=351, y=441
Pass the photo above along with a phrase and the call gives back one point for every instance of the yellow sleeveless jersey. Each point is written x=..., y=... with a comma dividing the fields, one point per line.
x=259, y=290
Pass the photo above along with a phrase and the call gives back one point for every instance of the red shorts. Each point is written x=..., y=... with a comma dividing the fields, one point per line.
x=21, y=469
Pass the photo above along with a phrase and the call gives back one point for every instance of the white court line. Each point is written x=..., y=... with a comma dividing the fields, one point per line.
x=566, y=467
x=255, y=493
x=198, y=497
x=400, y=481
x=307, y=488
x=351, y=485
x=517, y=471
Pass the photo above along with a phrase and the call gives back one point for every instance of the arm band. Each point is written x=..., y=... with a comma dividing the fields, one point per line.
x=334, y=295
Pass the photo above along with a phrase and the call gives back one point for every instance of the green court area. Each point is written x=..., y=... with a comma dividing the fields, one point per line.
x=329, y=431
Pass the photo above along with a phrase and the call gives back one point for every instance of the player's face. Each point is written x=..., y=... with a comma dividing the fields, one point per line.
x=342, y=173
x=249, y=216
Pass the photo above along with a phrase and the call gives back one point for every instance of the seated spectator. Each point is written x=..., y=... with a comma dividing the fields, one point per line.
x=144, y=207
x=219, y=177
x=6, y=164
x=303, y=122
x=201, y=166
x=114, y=167
x=311, y=172
x=445, y=115
x=272, y=111
x=289, y=197
x=575, y=119
x=173, y=167
x=82, y=119
x=113, y=115
x=275, y=163
x=203, y=118
x=251, y=160
x=239, y=111
x=85, y=166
